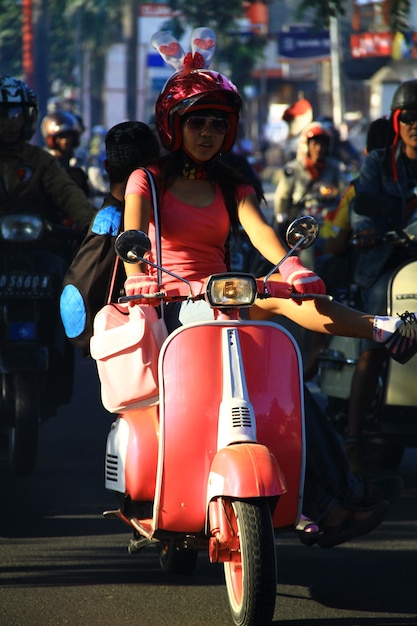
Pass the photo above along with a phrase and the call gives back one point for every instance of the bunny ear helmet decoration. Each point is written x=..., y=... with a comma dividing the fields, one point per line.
x=193, y=87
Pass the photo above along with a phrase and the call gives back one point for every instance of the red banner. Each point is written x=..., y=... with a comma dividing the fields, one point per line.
x=370, y=45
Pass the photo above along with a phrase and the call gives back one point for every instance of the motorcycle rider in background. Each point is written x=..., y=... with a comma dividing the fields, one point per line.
x=311, y=168
x=29, y=176
x=297, y=116
x=128, y=145
x=312, y=165
x=97, y=174
x=31, y=180
x=391, y=171
x=61, y=131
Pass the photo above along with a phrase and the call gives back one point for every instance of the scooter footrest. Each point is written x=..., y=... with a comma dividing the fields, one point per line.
x=111, y=513
x=136, y=545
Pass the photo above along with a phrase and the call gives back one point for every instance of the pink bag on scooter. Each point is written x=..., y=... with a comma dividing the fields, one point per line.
x=125, y=345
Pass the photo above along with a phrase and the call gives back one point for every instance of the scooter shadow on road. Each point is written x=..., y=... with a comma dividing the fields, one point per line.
x=354, y=621
x=371, y=579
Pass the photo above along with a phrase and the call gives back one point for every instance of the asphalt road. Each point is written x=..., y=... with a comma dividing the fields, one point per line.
x=62, y=563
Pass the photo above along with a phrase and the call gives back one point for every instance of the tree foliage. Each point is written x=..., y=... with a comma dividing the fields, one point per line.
x=399, y=16
x=10, y=37
x=321, y=10
x=238, y=53
x=215, y=14
x=91, y=24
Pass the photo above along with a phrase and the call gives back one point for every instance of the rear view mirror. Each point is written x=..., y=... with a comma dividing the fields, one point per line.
x=302, y=232
x=132, y=246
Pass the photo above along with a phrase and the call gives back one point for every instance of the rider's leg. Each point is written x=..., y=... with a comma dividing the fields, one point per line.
x=338, y=501
x=365, y=379
x=398, y=333
x=363, y=390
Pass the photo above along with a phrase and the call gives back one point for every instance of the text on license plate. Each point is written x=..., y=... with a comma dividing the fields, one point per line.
x=40, y=285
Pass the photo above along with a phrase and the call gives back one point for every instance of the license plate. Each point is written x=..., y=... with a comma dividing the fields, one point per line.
x=26, y=286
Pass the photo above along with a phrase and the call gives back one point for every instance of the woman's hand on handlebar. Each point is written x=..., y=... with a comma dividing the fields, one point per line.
x=276, y=288
x=304, y=280
x=142, y=285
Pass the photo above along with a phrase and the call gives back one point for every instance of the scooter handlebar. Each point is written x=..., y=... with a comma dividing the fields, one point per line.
x=276, y=289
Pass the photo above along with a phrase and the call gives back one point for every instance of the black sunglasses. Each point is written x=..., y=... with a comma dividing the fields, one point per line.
x=11, y=112
x=196, y=123
x=407, y=117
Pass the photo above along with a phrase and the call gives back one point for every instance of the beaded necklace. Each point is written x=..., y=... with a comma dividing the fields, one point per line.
x=188, y=168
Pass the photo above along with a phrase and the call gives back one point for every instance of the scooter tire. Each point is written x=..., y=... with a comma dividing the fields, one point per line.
x=251, y=577
x=23, y=440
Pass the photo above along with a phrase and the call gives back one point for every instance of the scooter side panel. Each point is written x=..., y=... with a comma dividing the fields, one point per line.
x=134, y=456
x=191, y=399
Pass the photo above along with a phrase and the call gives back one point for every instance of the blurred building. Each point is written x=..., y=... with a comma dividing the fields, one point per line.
x=299, y=61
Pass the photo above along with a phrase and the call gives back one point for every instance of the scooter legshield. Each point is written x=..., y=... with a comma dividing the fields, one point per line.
x=191, y=393
x=401, y=388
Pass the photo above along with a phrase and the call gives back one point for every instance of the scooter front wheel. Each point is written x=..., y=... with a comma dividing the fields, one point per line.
x=251, y=574
x=24, y=433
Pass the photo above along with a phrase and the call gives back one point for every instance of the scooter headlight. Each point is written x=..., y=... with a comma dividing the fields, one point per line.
x=225, y=291
x=21, y=227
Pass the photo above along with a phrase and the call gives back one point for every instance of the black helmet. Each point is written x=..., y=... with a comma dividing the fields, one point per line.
x=405, y=96
x=16, y=93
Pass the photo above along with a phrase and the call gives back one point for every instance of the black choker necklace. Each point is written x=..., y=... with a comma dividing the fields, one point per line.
x=187, y=168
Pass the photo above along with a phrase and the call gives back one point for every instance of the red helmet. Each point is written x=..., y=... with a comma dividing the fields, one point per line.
x=194, y=90
x=316, y=129
x=60, y=123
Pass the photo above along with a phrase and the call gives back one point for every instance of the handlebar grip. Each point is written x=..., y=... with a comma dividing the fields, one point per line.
x=145, y=296
x=311, y=296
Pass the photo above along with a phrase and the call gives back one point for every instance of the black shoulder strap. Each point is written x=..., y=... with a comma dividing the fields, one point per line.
x=157, y=219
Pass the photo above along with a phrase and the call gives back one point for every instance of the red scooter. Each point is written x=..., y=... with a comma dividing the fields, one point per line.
x=218, y=464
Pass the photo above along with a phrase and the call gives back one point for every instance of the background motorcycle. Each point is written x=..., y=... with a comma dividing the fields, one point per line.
x=391, y=423
x=320, y=201
x=36, y=361
x=219, y=463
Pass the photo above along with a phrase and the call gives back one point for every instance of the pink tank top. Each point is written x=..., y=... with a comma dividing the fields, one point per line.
x=193, y=238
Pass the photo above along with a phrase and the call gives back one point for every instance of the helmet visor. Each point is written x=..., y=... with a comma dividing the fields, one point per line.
x=11, y=112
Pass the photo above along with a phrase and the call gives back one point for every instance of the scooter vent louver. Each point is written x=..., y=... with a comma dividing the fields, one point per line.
x=241, y=417
x=112, y=466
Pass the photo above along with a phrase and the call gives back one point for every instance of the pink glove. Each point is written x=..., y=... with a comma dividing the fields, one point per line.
x=139, y=284
x=301, y=278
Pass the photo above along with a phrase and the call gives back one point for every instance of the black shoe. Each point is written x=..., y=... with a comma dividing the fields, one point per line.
x=402, y=345
x=341, y=524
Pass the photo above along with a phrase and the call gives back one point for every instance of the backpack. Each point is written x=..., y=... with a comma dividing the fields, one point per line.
x=87, y=281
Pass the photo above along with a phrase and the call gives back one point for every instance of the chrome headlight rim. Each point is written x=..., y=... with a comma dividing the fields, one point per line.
x=231, y=290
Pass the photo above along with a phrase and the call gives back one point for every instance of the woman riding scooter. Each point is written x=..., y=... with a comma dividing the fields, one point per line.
x=200, y=200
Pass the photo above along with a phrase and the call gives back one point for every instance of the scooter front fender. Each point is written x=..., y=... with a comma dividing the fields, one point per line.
x=245, y=470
